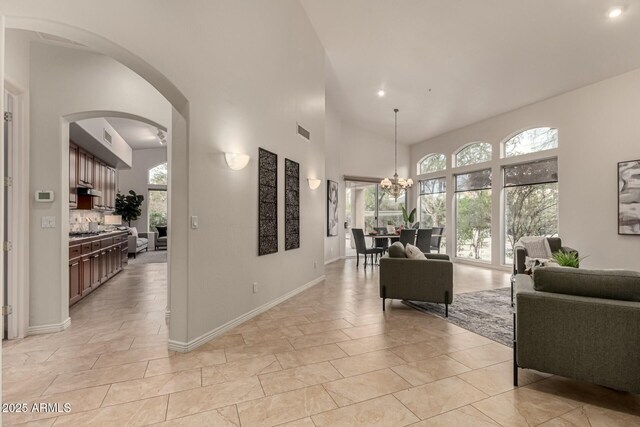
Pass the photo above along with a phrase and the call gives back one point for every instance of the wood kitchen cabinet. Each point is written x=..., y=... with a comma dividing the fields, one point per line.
x=73, y=175
x=94, y=260
x=85, y=169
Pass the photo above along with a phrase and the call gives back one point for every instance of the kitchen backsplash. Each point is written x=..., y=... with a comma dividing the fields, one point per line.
x=80, y=220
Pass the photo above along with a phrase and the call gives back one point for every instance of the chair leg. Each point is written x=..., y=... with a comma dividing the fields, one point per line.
x=357, y=260
x=384, y=297
x=446, y=303
x=515, y=353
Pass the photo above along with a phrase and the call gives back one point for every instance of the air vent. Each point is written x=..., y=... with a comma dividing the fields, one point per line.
x=304, y=133
x=107, y=137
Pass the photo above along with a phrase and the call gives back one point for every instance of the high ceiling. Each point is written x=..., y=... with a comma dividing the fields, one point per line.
x=449, y=63
x=138, y=135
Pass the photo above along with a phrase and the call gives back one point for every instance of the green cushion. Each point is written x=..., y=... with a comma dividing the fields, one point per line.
x=622, y=285
x=397, y=250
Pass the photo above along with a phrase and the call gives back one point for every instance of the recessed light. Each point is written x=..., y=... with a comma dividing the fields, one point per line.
x=381, y=93
x=615, y=12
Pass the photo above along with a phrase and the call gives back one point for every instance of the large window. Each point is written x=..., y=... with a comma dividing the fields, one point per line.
x=432, y=205
x=157, y=204
x=432, y=163
x=531, y=141
x=473, y=215
x=478, y=152
x=531, y=201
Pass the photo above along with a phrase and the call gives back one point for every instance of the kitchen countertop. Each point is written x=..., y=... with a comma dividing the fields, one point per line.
x=81, y=239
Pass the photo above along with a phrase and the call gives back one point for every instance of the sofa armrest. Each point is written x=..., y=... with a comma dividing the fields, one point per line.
x=420, y=280
x=519, y=256
x=571, y=336
x=443, y=257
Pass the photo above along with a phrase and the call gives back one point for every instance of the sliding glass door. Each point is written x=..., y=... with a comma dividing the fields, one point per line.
x=368, y=207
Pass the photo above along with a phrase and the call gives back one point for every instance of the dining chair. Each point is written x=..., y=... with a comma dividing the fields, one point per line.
x=381, y=243
x=436, y=237
x=361, y=247
x=423, y=239
x=408, y=236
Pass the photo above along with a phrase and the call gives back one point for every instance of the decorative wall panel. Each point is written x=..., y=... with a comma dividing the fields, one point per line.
x=267, y=202
x=291, y=205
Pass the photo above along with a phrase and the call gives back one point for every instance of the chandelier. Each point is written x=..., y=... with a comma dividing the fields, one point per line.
x=395, y=186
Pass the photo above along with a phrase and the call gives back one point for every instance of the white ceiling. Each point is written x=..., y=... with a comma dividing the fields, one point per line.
x=137, y=134
x=479, y=58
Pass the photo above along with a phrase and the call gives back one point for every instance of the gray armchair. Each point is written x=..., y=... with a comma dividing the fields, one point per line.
x=161, y=237
x=429, y=280
x=520, y=253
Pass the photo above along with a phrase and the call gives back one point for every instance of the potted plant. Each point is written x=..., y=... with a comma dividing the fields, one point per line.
x=409, y=218
x=129, y=206
x=567, y=259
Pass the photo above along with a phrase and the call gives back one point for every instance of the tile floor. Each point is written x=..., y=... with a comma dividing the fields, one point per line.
x=327, y=357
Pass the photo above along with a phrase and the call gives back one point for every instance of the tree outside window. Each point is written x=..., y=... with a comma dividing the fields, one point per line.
x=472, y=154
x=432, y=163
x=473, y=215
x=157, y=206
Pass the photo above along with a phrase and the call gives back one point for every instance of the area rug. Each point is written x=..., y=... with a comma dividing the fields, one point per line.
x=151, y=257
x=486, y=313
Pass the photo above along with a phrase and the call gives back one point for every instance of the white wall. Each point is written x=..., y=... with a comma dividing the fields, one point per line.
x=137, y=177
x=17, y=45
x=250, y=71
x=65, y=82
x=598, y=127
x=353, y=151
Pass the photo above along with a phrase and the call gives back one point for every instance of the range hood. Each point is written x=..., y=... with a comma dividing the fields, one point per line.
x=90, y=192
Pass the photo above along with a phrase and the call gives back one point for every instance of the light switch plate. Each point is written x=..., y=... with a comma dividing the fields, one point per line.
x=194, y=222
x=48, y=222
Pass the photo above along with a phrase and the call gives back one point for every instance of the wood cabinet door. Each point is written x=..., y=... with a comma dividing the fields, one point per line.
x=89, y=165
x=75, y=291
x=95, y=270
x=104, y=266
x=85, y=267
x=73, y=176
x=82, y=168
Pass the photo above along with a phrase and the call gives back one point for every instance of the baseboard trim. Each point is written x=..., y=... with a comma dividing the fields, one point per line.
x=48, y=329
x=183, y=347
x=333, y=260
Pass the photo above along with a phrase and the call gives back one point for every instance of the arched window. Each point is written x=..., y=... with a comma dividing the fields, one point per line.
x=432, y=163
x=531, y=141
x=158, y=175
x=478, y=152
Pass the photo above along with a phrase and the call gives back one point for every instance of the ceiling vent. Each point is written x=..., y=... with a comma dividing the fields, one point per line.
x=304, y=133
x=107, y=137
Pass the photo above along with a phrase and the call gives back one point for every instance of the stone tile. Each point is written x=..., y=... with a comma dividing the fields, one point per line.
x=461, y=417
x=314, y=340
x=479, y=357
x=367, y=362
x=438, y=397
x=417, y=351
x=302, y=422
x=281, y=408
x=185, y=361
x=144, y=388
x=140, y=413
x=95, y=377
x=80, y=401
x=308, y=356
x=239, y=369
x=300, y=377
x=132, y=356
x=429, y=370
x=263, y=335
x=366, y=386
x=281, y=323
x=146, y=341
x=384, y=411
x=84, y=350
x=524, y=406
x=216, y=396
x=223, y=417
x=368, y=344
x=323, y=326
x=224, y=341
x=496, y=379
x=594, y=416
x=258, y=349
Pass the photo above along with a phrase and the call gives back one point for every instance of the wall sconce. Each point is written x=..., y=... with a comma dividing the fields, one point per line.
x=314, y=183
x=236, y=161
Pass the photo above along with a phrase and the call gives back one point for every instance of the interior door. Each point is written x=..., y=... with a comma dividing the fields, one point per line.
x=8, y=328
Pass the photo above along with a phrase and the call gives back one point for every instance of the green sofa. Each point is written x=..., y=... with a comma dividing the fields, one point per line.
x=429, y=280
x=582, y=324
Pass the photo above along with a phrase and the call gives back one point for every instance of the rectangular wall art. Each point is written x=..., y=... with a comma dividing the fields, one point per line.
x=332, y=208
x=267, y=202
x=291, y=205
x=629, y=197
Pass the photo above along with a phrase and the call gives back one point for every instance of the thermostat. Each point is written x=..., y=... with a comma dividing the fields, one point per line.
x=44, y=196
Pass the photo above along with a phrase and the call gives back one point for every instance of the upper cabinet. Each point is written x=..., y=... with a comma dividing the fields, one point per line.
x=73, y=175
x=85, y=169
x=88, y=171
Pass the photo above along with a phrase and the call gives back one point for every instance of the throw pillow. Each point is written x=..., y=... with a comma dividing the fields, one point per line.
x=133, y=231
x=162, y=230
x=537, y=247
x=413, y=252
x=397, y=251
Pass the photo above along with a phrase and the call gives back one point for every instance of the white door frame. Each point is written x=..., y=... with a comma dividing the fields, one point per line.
x=18, y=196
